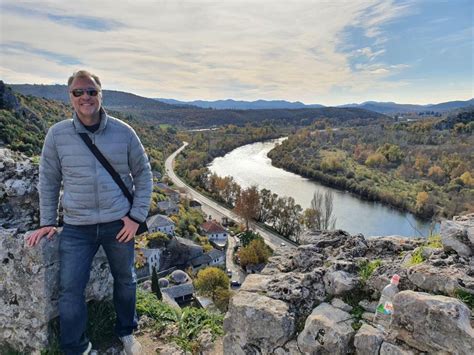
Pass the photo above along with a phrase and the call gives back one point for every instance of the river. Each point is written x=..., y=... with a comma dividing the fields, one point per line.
x=249, y=165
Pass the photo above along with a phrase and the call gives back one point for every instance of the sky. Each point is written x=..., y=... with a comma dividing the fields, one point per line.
x=322, y=52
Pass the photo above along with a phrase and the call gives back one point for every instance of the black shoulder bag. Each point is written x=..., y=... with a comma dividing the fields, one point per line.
x=142, y=228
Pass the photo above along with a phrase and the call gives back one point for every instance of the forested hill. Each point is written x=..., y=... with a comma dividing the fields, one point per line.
x=426, y=167
x=194, y=117
x=111, y=98
x=24, y=121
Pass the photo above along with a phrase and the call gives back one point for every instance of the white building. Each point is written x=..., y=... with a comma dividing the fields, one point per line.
x=160, y=223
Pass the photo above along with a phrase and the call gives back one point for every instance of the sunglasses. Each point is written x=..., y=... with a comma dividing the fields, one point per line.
x=80, y=92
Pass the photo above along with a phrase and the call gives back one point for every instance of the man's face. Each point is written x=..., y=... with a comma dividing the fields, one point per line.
x=86, y=106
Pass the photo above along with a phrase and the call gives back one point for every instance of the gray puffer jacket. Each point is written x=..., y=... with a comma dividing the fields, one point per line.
x=90, y=194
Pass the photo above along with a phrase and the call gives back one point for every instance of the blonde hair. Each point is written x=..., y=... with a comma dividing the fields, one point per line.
x=84, y=74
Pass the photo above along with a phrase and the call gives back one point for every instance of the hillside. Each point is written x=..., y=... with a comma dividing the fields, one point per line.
x=194, y=117
x=24, y=121
x=424, y=167
x=112, y=99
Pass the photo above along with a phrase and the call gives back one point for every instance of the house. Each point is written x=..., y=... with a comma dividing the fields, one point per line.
x=180, y=287
x=217, y=257
x=160, y=223
x=215, y=232
x=167, y=207
x=152, y=259
x=212, y=258
x=173, y=195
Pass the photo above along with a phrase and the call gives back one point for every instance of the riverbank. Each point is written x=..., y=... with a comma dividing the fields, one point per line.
x=401, y=202
x=249, y=165
x=418, y=168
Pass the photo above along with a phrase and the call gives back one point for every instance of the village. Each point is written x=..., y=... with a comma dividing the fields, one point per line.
x=182, y=240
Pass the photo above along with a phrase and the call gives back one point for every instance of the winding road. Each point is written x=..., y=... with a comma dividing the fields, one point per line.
x=272, y=239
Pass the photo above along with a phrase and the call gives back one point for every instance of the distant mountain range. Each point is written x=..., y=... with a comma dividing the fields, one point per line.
x=380, y=107
x=188, y=116
x=392, y=107
x=124, y=100
x=230, y=104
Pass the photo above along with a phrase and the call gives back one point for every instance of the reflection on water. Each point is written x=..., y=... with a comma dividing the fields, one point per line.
x=249, y=165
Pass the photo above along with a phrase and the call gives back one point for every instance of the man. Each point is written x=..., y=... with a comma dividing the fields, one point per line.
x=96, y=212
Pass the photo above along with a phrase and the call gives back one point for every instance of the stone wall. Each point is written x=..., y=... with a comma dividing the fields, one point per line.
x=307, y=299
x=29, y=276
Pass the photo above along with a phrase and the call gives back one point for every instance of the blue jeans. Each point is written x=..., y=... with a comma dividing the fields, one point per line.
x=77, y=247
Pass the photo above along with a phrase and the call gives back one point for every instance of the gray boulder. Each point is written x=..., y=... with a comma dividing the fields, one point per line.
x=392, y=349
x=301, y=291
x=257, y=324
x=29, y=289
x=458, y=235
x=340, y=282
x=327, y=330
x=290, y=348
x=433, y=279
x=368, y=339
x=433, y=323
x=19, y=178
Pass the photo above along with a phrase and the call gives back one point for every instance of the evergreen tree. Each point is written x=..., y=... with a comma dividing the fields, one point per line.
x=155, y=287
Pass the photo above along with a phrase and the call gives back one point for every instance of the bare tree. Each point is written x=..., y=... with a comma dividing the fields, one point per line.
x=247, y=205
x=320, y=215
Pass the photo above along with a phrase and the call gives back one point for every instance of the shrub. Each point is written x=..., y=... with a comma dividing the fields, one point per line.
x=465, y=297
x=434, y=241
x=209, y=280
x=416, y=257
x=367, y=268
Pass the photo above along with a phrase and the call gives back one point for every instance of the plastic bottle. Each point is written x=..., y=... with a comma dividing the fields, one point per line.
x=384, y=310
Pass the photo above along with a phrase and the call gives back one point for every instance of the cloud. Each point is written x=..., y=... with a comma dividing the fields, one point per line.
x=89, y=23
x=367, y=52
x=18, y=48
x=202, y=49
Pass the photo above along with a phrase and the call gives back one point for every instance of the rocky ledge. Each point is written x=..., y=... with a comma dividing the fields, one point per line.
x=320, y=298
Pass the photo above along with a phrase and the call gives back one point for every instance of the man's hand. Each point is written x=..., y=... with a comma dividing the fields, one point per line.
x=128, y=231
x=36, y=236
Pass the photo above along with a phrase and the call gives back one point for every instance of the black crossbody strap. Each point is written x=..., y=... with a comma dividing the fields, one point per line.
x=103, y=160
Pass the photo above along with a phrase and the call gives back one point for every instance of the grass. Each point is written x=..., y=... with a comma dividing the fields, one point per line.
x=190, y=321
x=465, y=297
x=353, y=298
x=434, y=241
x=367, y=268
x=416, y=257
x=100, y=327
x=357, y=312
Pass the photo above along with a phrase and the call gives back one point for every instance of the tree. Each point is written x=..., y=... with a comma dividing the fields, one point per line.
x=267, y=200
x=247, y=205
x=320, y=215
x=221, y=299
x=437, y=174
x=248, y=236
x=391, y=152
x=208, y=280
x=375, y=160
x=423, y=205
x=155, y=286
x=248, y=256
x=467, y=179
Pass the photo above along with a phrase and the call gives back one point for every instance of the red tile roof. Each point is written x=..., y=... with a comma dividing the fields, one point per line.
x=212, y=227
